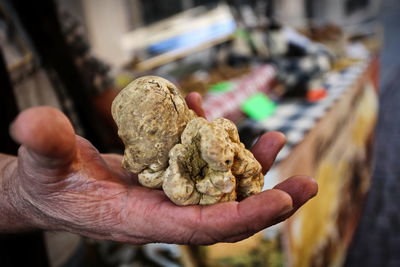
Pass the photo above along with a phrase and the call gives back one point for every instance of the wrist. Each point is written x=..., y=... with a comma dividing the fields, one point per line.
x=16, y=216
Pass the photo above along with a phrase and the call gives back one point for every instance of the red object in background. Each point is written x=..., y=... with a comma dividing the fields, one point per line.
x=316, y=94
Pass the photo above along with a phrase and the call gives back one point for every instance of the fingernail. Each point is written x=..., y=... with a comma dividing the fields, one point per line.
x=285, y=210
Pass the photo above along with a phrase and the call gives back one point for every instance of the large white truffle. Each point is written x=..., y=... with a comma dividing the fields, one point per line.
x=193, y=160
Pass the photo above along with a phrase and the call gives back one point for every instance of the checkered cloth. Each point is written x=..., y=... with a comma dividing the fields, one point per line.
x=228, y=104
x=295, y=118
x=295, y=73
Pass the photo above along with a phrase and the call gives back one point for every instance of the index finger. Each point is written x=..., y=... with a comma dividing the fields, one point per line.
x=247, y=217
x=222, y=222
x=234, y=221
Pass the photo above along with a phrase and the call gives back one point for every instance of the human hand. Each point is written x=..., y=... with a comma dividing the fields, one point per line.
x=61, y=182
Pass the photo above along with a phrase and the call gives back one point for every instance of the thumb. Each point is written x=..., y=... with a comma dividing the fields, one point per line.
x=47, y=135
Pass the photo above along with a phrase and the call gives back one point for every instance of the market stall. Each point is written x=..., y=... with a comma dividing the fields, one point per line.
x=338, y=157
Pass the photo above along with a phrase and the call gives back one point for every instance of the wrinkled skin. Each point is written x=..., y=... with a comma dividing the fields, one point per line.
x=61, y=182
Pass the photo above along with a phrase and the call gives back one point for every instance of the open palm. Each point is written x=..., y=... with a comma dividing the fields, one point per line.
x=63, y=183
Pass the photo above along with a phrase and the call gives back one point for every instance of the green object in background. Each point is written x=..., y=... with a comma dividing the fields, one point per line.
x=258, y=107
x=221, y=87
x=242, y=33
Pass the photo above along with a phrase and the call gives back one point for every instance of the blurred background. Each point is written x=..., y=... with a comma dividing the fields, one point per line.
x=322, y=72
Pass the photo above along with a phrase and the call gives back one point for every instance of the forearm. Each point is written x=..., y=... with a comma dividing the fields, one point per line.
x=11, y=218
